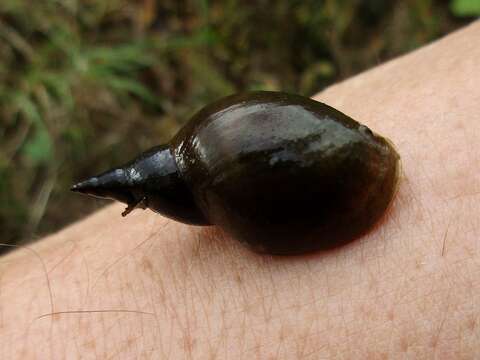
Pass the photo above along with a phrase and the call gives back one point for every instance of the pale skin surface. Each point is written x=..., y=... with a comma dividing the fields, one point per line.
x=408, y=289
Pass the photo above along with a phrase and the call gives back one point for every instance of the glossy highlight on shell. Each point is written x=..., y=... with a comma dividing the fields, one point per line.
x=281, y=173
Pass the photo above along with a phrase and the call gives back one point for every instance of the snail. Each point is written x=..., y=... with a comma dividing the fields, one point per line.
x=282, y=173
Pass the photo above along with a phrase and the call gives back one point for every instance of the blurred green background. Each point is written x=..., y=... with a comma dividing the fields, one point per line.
x=87, y=84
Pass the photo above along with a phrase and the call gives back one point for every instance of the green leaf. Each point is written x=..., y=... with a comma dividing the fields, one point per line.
x=124, y=85
x=59, y=88
x=38, y=149
x=465, y=7
x=27, y=107
x=124, y=58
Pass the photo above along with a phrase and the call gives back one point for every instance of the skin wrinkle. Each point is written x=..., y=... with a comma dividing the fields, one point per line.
x=155, y=331
x=184, y=328
x=44, y=269
x=187, y=337
x=168, y=308
x=122, y=257
x=140, y=321
x=141, y=284
x=437, y=335
x=189, y=316
x=203, y=306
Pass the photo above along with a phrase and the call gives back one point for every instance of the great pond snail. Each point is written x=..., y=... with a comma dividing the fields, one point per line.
x=282, y=173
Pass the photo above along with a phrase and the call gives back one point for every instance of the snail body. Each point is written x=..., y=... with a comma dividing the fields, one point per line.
x=282, y=173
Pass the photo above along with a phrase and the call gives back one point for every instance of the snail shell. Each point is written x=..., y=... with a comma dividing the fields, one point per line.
x=282, y=173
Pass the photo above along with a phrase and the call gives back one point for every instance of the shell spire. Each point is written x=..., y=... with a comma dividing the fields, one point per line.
x=113, y=184
x=151, y=180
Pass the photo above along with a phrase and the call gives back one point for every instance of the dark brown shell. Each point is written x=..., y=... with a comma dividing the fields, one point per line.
x=284, y=173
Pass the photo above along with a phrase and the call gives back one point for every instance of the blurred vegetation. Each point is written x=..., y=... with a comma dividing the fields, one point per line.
x=86, y=84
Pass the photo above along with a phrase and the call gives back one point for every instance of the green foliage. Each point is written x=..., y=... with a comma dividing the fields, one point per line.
x=87, y=84
x=465, y=7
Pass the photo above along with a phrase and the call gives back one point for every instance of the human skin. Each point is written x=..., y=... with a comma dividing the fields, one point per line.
x=147, y=287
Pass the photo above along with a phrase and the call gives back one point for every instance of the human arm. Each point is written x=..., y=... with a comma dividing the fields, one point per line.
x=409, y=288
